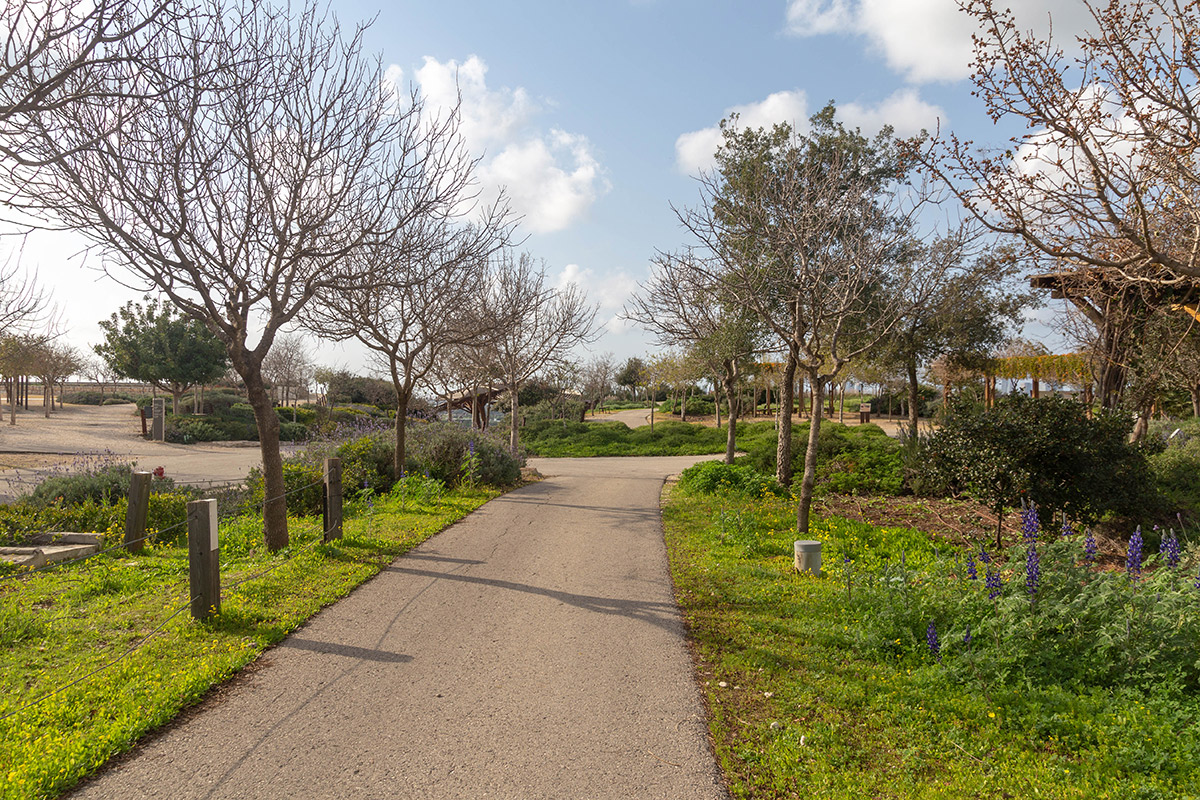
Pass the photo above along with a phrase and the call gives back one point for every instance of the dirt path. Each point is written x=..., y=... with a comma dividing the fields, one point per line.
x=36, y=445
x=534, y=650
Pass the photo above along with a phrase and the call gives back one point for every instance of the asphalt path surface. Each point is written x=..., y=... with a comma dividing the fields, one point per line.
x=534, y=650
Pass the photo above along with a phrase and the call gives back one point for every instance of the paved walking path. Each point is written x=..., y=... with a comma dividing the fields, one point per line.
x=534, y=650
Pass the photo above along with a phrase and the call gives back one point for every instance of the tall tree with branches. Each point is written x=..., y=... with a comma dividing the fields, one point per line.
x=812, y=232
x=1103, y=175
x=261, y=161
x=542, y=325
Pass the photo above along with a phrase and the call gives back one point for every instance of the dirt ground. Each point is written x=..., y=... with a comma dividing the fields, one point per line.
x=38, y=445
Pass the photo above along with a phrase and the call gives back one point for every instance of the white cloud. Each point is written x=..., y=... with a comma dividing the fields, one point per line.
x=926, y=40
x=904, y=110
x=694, y=151
x=551, y=178
x=611, y=290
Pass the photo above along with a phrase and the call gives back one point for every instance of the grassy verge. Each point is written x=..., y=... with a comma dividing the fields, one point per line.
x=558, y=439
x=60, y=625
x=803, y=703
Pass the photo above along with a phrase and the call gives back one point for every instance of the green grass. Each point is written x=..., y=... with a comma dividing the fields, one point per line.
x=59, y=625
x=556, y=439
x=807, y=710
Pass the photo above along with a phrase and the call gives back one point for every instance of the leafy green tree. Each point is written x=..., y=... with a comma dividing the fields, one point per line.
x=963, y=320
x=156, y=345
x=632, y=374
x=1044, y=450
x=811, y=233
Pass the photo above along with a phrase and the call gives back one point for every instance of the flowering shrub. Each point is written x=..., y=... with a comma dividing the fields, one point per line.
x=1064, y=624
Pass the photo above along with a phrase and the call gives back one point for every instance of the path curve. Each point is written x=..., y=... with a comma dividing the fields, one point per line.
x=534, y=650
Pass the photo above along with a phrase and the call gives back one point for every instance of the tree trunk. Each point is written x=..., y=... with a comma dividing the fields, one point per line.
x=731, y=434
x=683, y=408
x=275, y=531
x=47, y=398
x=1194, y=390
x=914, y=397
x=783, y=450
x=716, y=402
x=401, y=426
x=810, y=460
x=513, y=435
x=1142, y=426
x=176, y=399
x=842, y=404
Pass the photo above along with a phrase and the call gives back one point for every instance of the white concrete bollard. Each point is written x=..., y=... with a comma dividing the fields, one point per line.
x=808, y=556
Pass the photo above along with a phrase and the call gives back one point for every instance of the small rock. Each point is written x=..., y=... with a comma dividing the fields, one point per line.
x=722, y=684
x=768, y=695
x=776, y=726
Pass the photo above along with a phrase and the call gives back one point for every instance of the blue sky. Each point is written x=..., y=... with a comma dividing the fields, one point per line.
x=594, y=115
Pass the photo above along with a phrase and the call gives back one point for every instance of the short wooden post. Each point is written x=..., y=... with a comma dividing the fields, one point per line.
x=203, y=558
x=158, y=422
x=136, y=512
x=808, y=556
x=332, y=505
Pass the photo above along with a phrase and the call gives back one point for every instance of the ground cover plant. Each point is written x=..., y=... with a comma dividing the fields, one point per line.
x=899, y=675
x=61, y=624
x=560, y=439
x=851, y=459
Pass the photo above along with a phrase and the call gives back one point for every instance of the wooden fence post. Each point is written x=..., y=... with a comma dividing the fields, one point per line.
x=136, y=511
x=203, y=558
x=332, y=505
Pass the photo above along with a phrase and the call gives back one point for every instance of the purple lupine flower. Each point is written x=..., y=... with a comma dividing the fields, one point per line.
x=931, y=638
x=1198, y=580
x=983, y=556
x=1133, y=559
x=1067, y=530
x=1029, y=523
x=1170, y=548
x=967, y=637
x=971, y=571
x=1033, y=571
x=994, y=583
x=1089, y=546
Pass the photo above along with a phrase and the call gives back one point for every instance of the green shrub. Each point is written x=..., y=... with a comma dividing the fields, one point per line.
x=94, y=397
x=293, y=432
x=1043, y=448
x=859, y=459
x=303, y=485
x=716, y=477
x=697, y=406
x=440, y=449
x=104, y=483
x=1176, y=475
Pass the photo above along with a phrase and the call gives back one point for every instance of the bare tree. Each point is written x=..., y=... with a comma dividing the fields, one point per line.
x=597, y=381
x=1104, y=175
x=543, y=325
x=24, y=305
x=684, y=304
x=431, y=302
x=288, y=367
x=53, y=53
x=262, y=161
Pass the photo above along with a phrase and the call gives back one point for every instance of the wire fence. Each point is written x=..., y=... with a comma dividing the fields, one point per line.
x=26, y=573
x=226, y=592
